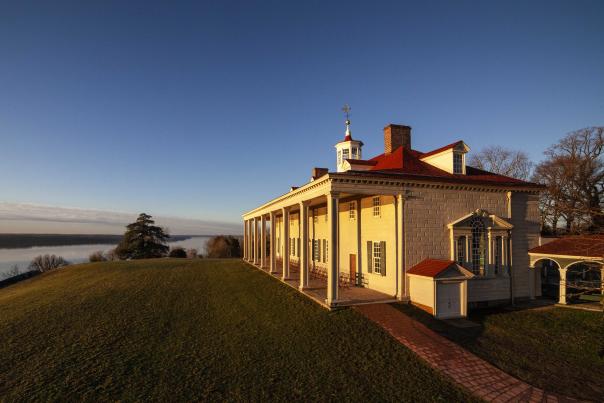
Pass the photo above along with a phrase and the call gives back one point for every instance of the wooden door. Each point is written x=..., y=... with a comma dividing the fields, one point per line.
x=353, y=269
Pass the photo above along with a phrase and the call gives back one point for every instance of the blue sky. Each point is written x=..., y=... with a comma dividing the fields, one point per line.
x=203, y=110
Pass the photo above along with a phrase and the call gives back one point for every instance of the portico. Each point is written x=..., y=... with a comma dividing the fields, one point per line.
x=303, y=242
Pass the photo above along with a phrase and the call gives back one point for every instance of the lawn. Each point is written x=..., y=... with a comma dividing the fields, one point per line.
x=556, y=349
x=174, y=330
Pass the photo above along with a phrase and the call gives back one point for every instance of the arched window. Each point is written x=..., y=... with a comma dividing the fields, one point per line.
x=478, y=246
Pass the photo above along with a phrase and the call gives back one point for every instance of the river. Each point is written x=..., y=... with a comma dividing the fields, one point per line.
x=74, y=253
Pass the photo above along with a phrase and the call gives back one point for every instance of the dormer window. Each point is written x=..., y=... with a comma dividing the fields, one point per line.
x=457, y=163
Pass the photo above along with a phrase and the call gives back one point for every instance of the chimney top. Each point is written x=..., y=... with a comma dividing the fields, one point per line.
x=396, y=136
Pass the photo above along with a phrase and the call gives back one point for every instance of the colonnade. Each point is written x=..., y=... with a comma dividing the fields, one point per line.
x=255, y=243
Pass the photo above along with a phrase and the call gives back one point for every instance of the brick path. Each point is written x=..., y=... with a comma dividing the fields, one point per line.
x=478, y=376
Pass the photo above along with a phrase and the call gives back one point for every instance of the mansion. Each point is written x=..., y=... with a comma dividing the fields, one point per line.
x=405, y=225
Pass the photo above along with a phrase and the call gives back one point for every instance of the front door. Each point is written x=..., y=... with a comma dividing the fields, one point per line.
x=353, y=269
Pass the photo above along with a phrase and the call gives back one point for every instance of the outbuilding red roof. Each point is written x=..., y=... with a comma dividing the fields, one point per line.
x=430, y=267
x=581, y=245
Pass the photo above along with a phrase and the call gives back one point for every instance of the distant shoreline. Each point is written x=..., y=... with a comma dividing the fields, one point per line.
x=18, y=241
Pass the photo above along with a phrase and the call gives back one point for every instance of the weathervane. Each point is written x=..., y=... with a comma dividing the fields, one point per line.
x=346, y=109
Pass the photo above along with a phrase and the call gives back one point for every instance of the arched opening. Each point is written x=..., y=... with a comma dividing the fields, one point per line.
x=583, y=282
x=550, y=278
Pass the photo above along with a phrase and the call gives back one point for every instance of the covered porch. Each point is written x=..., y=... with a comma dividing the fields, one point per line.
x=316, y=289
x=569, y=267
x=280, y=239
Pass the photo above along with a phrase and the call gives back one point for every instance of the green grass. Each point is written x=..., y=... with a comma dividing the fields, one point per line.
x=174, y=330
x=556, y=349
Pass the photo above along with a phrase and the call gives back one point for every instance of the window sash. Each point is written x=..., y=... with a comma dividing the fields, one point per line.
x=461, y=250
x=457, y=163
x=377, y=258
x=376, y=206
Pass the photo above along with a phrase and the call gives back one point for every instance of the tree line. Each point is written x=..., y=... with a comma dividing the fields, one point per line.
x=145, y=240
x=573, y=174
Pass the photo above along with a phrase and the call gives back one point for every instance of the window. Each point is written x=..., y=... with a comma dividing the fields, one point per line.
x=376, y=206
x=325, y=251
x=345, y=154
x=498, y=254
x=352, y=210
x=339, y=157
x=292, y=247
x=457, y=163
x=354, y=152
x=315, y=250
x=461, y=250
x=478, y=246
x=377, y=257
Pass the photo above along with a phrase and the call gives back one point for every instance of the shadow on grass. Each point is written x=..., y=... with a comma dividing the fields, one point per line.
x=18, y=278
x=556, y=349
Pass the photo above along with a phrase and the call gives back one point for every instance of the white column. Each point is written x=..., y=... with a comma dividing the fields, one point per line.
x=255, y=246
x=490, y=261
x=359, y=273
x=263, y=241
x=562, y=299
x=400, y=247
x=303, y=245
x=285, y=242
x=251, y=243
x=244, y=239
x=273, y=249
x=250, y=249
x=333, y=249
x=602, y=281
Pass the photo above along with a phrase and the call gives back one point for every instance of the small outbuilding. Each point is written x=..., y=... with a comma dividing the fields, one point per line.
x=440, y=287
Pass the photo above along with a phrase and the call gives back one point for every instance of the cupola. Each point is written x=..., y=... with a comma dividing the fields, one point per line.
x=347, y=149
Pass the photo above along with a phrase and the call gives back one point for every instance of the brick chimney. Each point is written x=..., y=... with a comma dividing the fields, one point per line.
x=318, y=172
x=396, y=136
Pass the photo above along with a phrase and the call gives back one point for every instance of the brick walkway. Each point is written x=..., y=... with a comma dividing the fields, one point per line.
x=478, y=376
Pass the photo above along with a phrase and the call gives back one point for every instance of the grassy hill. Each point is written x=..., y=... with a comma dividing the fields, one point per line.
x=205, y=329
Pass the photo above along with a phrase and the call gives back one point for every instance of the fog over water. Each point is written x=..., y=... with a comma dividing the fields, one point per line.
x=75, y=253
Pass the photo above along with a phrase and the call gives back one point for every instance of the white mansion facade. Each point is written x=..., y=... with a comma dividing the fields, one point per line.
x=412, y=226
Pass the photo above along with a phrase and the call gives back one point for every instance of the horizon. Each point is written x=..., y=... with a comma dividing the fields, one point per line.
x=194, y=112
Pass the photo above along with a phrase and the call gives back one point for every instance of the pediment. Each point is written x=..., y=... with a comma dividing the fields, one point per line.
x=454, y=271
x=489, y=220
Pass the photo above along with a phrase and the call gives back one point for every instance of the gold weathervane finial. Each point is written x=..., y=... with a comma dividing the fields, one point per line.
x=346, y=109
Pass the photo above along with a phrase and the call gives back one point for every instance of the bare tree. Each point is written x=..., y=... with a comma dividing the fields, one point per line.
x=97, y=256
x=573, y=172
x=44, y=263
x=503, y=161
x=223, y=246
x=192, y=253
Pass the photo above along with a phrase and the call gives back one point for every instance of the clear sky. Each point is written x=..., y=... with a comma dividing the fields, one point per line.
x=203, y=110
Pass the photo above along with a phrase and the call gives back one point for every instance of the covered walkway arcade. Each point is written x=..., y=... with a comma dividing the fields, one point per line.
x=579, y=262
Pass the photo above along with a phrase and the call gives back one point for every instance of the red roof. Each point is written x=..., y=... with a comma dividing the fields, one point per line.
x=360, y=162
x=581, y=245
x=430, y=267
x=407, y=163
x=439, y=150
